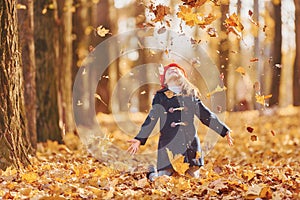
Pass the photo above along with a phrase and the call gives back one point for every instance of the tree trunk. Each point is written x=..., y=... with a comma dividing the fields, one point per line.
x=13, y=135
x=276, y=55
x=66, y=64
x=29, y=69
x=296, y=84
x=46, y=41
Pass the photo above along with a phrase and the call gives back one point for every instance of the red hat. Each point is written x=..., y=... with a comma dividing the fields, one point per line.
x=162, y=76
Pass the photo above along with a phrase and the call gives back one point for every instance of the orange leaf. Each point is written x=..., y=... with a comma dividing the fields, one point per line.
x=194, y=3
x=233, y=24
x=241, y=70
x=253, y=138
x=177, y=162
x=160, y=11
x=253, y=59
x=191, y=18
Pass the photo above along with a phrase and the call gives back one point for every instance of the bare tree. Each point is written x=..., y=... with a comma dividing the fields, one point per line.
x=276, y=54
x=26, y=24
x=297, y=59
x=47, y=49
x=13, y=135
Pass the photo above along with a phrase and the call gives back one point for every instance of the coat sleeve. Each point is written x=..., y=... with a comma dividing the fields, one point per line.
x=210, y=119
x=150, y=121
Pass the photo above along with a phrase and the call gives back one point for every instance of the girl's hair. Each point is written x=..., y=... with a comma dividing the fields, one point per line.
x=188, y=88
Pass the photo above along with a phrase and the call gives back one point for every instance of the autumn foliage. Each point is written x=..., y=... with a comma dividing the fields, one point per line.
x=267, y=167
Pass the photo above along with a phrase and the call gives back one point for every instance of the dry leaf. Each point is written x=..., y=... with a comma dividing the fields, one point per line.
x=21, y=6
x=261, y=98
x=212, y=32
x=177, y=162
x=241, y=70
x=250, y=129
x=233, y=24
x=217, y=89
x=101, y=31
x=253, y=138
x=253, y=59
x=160, y=11
x=191, y=18
x=194, y=3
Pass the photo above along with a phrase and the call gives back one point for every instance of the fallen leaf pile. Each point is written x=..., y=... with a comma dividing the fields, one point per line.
x=265, y=168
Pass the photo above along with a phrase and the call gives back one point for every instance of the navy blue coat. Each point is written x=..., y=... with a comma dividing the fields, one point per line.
x=177, y=130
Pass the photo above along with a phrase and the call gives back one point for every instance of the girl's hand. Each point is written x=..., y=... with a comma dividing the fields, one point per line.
x=229, y=138
x=134, y=147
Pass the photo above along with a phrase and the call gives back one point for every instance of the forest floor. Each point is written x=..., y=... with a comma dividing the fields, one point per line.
x=264, y=163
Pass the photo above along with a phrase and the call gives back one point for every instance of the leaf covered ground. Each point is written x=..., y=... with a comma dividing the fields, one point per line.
x=263, y=163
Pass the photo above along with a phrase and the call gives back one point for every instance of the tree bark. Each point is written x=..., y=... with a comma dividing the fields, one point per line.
x=276, y=55
x=66, y=65
x=296, y=82
x=14, y=142
x=46, y=40
x=29, y=68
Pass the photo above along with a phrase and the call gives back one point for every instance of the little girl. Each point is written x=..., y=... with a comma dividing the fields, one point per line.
x=176, y=104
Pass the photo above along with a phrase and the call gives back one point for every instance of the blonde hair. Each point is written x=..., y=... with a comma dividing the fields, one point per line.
x=188, y=88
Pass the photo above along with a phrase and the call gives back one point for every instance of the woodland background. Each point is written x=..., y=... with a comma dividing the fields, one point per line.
x=255, y=44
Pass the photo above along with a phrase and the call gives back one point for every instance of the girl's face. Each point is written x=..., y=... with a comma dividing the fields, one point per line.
x=173, y=73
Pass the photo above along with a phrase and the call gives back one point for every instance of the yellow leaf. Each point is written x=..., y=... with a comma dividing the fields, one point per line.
x=249, y=175
x=261, y=98
x=101, y=31
x=51, y=6
x=30, y=177
x=195, y=3
x=44, y=11
x=21, y=6
x=191, y=18
x=177, y=162
x=217, y=89
x=233, y=24
x=241, y=70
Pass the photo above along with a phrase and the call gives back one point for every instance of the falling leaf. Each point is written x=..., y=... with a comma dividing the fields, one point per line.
x=278, y=65
x=273, y=133
x=161, y=30
x=191, y=18
x=21, y=6
x=160, y=11
x=101, y=31
x=253, y=59
x=250, y=129
x=261, y=98
x=241, y=70
x=233, y=24
x=194, y=41
x=177, y=162
x=250, y=13
x=194, y=3
x=217, y=89
x=253, y=138
x=44, y=11
x=212, y=32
